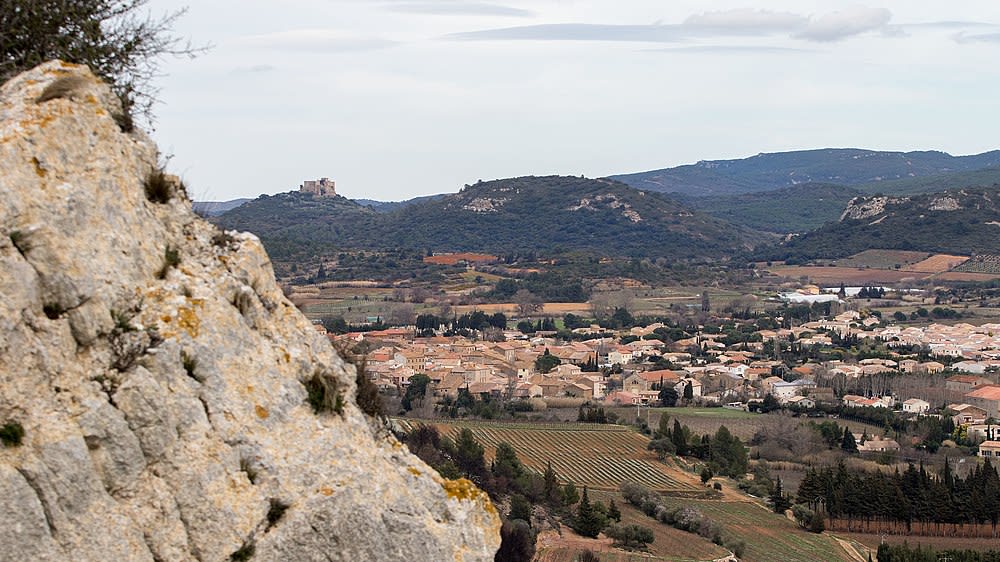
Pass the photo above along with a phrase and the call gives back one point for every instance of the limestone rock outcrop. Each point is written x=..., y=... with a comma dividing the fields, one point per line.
x=164, y=385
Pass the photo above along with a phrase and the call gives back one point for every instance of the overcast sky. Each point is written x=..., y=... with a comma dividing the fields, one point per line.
x=394, y=99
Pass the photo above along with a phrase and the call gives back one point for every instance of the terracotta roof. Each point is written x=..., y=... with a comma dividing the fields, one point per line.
x=986, y=392
x=666, y=374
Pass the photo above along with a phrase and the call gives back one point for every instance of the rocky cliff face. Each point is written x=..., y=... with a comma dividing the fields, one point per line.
x=164, y=385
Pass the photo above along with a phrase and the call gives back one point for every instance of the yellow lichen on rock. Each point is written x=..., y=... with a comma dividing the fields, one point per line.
x=187, y=320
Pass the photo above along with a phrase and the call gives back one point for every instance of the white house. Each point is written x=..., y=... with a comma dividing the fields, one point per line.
x=695, y=387
x=916, y=406
x=801, y=402
x=620, y=356
x=785, y=390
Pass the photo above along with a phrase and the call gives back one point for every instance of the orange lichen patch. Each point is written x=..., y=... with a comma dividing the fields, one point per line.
x=188, y=321
x=166, y=318
x=38, y=167
x=326, y=491
x=463, y=489
x=414, y=471
x=262, y=412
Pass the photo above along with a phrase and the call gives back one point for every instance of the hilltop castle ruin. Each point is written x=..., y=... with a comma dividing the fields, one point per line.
x=323, y=187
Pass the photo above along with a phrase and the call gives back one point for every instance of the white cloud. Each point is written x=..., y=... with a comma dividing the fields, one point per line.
x=580, y=32
x=318, y=40
x=845, y=23
x=747, y=20
x=458, y=9
x=963, y=37
x=733, y=50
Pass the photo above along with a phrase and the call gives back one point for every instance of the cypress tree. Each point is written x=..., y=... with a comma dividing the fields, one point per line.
x=588, y=521
x=848, y=443
x=678, y=438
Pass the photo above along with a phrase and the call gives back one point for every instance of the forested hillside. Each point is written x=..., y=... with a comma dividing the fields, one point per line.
x=799, y=208
x=552, y=214
x=958, y=222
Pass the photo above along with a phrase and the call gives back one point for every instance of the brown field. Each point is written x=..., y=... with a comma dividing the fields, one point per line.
x=937, y=264
x=962, y=276
x=882, y=259
x=940, y=543
x=453, y=259
x=847, y=275
x=884, y=266
x=549, y=308
x=917, y=530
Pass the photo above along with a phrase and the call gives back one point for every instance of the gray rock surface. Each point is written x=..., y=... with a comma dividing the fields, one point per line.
x=163, y=401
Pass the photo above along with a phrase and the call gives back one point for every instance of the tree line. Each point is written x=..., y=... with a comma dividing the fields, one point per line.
x=913, y=495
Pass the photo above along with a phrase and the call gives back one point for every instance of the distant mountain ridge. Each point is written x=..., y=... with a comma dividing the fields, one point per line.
x=389, y=206
x=549, y=214
x=767, y=172
x=216, y=208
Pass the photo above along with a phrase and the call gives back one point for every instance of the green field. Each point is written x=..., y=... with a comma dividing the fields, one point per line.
x=703, y=420
x=769, y=537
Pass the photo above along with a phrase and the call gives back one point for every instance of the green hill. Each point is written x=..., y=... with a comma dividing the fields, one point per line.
x=986, y=177
x=767, y=172
x=296, y=224
x=804, y=207
x=799, y=208
x=965, y=221
x=552, y=214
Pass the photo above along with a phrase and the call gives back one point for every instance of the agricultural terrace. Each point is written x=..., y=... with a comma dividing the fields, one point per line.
x=768, y=536
x=702, y=420
x=669, y=544
x=593, y=455
x=890, y=266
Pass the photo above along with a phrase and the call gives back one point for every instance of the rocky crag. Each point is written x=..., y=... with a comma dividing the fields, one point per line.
x=160, y=399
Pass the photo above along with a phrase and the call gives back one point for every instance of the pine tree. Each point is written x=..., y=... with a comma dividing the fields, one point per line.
x=569, y=494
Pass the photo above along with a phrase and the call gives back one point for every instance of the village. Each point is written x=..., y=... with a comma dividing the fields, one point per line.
x=631, y=367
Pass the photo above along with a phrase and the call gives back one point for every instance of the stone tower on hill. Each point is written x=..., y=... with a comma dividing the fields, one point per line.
x=323, y=187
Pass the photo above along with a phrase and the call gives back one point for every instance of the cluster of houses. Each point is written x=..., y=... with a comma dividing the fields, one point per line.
x=734, y=377
x=730, y=375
